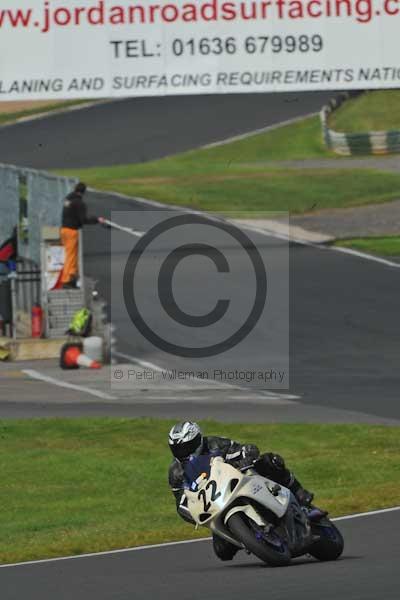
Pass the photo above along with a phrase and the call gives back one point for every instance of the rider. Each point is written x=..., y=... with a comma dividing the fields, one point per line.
x=186, y=439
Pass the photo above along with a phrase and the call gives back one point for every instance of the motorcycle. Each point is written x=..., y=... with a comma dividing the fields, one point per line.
x=256, y=514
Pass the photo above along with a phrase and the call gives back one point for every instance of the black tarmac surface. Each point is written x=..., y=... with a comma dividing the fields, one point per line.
x=344, y=351
x=366, y=571
x=140, y=129
x=344, y=325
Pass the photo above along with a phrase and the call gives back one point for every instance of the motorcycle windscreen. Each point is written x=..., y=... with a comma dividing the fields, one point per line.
x=197, y=468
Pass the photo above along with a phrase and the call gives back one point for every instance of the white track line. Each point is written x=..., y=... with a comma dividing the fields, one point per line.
x=276, y=235
x=148, y=365
x=378, y=259
x=243, y=136
x=367, y=514
x=138, y=361
x=105, y=553
x=168, y=544
x=261, y=231
x=71, y=386
x=50, y=113
x=289, y=238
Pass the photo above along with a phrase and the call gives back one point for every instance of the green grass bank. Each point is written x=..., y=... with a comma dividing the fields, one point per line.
x=383, y=246
x=372, y=111
x=70, y=486
x=246, y=175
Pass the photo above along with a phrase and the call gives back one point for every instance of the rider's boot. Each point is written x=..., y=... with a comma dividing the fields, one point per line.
x=305, y=499
x=303, y=496
x=223, y=549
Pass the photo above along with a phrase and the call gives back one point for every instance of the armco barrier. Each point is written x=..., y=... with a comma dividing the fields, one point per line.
x=369, y=142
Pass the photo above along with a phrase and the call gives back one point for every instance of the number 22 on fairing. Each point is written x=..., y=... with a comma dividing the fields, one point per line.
x=202, y=495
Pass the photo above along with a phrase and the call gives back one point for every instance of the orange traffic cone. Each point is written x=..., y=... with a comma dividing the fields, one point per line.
x=72, y=357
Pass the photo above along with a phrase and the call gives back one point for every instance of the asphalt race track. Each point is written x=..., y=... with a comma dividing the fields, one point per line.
x=366, y=571
x=140, y=129
x=344, y=311
x=344, y=333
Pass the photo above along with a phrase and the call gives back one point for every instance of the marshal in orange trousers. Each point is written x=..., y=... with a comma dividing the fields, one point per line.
x=70, y=241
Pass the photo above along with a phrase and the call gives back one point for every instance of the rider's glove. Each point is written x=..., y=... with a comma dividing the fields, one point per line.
x=183, y=510
x=250, y=452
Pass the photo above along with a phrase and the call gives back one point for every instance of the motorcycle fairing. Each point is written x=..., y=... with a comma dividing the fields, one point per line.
x=225, y=485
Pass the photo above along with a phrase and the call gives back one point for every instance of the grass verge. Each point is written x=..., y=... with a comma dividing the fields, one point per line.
x=384, y=246
x=372, y=111
x=225, y=180
x=13, y=116
x=81, y=485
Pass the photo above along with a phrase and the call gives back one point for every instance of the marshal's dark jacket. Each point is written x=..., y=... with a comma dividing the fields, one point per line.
x=74, y=215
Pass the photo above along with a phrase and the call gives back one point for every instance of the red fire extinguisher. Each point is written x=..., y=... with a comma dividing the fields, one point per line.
x=37, y=321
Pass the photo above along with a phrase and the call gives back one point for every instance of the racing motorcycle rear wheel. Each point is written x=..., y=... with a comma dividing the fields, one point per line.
x=269, y=547
x=330, y=544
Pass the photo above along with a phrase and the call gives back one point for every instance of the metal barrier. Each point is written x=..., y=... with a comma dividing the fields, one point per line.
x=28, y=290
x=5, y=305
x=19, y=291
x=31, y=200
x=9, y=200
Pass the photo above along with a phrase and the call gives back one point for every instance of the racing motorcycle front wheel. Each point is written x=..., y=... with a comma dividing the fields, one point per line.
x=267, y=546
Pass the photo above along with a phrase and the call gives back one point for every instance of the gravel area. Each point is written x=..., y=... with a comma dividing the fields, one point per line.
x=371, y=220
x=384, y=163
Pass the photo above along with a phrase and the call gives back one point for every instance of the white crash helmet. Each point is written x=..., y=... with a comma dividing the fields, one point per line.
x=185, y=439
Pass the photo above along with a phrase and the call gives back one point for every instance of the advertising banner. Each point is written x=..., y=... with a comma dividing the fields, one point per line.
x=109, y=48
